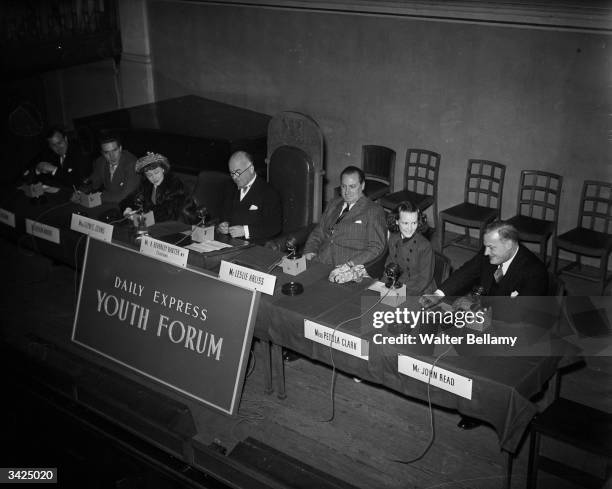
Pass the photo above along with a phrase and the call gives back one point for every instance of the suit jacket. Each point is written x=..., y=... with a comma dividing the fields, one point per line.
x=526, y=275
x=359, y=237
x=415, y=256
x=68, y=174
x=260, y=209
x=169, y=198
x=125, y=179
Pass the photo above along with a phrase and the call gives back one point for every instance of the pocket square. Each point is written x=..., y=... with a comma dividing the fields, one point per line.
x=253, y=207
x=358, y=221
x=69, y=170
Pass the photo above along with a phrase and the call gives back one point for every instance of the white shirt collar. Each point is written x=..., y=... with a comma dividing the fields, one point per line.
x=507, y=263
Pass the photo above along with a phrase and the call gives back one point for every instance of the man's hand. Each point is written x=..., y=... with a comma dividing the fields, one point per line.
x=236, y=231
x=45, y=167
x=223, y=227
x=309, y=256
x=430, y=300
x=76, y=196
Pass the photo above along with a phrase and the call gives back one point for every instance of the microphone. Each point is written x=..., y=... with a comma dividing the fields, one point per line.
x=391, y=275
x=291, y=246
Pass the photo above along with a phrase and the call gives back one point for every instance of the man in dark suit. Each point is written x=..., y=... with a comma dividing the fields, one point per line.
x=62, y=164
x=114, y=172
x=253, y=210
x=352, y=228
x=503, y=268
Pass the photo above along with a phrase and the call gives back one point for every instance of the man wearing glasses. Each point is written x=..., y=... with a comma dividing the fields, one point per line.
x=253, y=210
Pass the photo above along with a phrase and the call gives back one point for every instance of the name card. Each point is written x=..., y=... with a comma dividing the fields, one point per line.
x=164, y=251
x=293, y=266
x=247, y=277
x=42, y=231
x=200, y=234
x=90, y=200
x=7, y=217
x=339, y=340
x=91, y=227
x=442, y=378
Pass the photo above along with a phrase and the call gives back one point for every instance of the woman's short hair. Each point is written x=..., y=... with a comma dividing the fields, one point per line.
x=405, y=206
x=151, y=161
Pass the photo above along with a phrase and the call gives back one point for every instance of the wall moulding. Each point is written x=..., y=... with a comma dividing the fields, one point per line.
x=592, y=16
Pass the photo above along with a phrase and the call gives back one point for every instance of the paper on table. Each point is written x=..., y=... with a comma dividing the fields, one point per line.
x=206, y=246
x=50, y=190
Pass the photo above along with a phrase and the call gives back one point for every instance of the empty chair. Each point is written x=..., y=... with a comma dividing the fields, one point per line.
x=420, y=182
x=593, y=234
x=378, y=164
x=442, y=268
x=484, y=186
x=578, y=426
x=537, y=209
x=207, y=196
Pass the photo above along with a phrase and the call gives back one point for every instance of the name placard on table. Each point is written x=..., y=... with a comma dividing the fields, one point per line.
x=441, y=378
x=96, y=229
x=339, y=340
x=247, y=277
x=7, y=217
x=42, y=231
x=164, y=251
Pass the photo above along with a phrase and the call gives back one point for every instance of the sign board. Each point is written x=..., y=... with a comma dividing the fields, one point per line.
x=7, y=217
x=187, y=330
x=42, y=231
x=338, y=340
x=247, y=277
x=442, y=378
x=91, y=227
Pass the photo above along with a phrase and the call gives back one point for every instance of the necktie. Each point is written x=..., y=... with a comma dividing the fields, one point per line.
x=61, y=160
x=498, y=274
x=112, y=169
x=243, y=191
x=154, y=195
x=345, y=209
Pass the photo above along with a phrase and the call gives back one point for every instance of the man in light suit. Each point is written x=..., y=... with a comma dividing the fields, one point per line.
x=253, y=210
x=352, y=229
x=114, y=172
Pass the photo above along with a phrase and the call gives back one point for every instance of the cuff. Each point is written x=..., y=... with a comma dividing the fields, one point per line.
x=246, y=232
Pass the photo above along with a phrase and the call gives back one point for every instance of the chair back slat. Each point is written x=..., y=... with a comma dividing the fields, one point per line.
x=484, y=183
x=596, y=209
x=378, y=163
x=539, y=195
x=421, y=173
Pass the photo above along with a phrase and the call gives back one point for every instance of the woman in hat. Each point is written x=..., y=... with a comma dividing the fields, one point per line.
x=161, y=191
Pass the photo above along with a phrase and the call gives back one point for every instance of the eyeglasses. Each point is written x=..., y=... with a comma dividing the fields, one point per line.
x=237, y=173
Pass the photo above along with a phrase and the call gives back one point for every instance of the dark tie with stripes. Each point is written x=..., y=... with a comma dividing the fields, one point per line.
x=498, y=274
x=345, y=209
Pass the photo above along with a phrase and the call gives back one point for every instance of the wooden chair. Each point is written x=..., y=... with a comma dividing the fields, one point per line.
x=577, y=425
x=537, y=209
x=378, y=164
x=484, y=186
x=442, y=268
x=420, y=182
x=208, y=193
x=593, y=234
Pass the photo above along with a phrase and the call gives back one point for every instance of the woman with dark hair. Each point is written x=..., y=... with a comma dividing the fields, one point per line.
x=409, y=249
x=160, y=191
